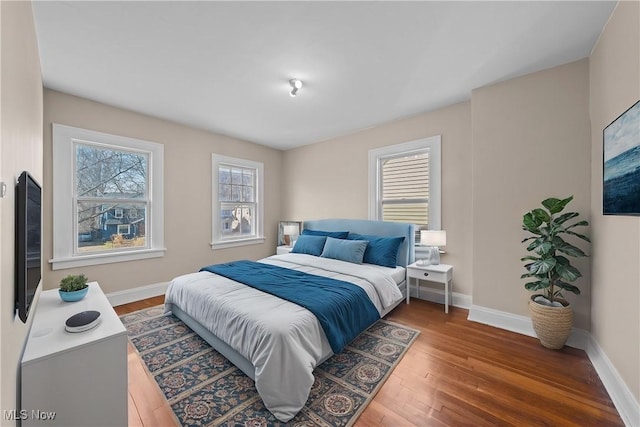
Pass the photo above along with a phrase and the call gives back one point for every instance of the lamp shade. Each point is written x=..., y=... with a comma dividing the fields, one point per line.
x=288, y=230
x=433, y=237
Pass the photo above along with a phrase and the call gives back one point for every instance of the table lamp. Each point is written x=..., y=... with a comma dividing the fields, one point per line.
x=288, y=231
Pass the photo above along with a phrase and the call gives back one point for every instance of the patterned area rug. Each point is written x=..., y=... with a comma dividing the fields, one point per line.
x=205, y=389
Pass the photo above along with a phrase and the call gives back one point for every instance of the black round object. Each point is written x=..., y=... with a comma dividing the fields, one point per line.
x=82, y=321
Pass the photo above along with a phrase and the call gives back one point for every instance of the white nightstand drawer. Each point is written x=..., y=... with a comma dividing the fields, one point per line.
x=435, y=276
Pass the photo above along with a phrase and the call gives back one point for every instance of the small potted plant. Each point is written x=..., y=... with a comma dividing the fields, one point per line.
x=73, y=287
x=549, y=269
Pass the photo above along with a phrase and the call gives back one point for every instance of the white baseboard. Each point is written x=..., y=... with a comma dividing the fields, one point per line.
x=137, y=294
x=627, y=406
x=437, y=296
x=501, y=319
x=620, y=394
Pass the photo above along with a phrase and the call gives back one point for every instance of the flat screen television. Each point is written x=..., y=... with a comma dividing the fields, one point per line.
x=28, y=242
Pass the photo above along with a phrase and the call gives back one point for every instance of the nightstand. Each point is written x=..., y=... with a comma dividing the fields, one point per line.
x=439, y=273
x=283, y=249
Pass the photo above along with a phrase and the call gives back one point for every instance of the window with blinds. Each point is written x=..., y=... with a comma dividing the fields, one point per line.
x=405, y=188
x=405, y=183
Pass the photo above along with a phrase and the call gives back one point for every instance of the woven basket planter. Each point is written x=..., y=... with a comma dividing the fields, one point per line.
x=552, y=324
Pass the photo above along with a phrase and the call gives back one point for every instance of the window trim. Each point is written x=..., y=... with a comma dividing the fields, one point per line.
x=435, y=180
x=63, y=143
x=216, y=242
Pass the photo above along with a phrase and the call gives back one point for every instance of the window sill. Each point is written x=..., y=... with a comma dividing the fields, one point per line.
x=236, y=243
x=105, y=258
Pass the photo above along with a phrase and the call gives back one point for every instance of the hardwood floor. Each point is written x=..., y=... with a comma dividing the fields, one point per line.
x=457, y=373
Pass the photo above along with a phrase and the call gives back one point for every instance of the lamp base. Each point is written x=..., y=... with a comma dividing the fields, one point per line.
x=434, y=255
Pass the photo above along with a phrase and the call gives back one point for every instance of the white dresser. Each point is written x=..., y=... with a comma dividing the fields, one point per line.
x=74, y=379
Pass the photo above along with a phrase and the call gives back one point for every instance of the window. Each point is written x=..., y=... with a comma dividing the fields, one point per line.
x=404, y=183
x=124, y=229
x=109, y=178
x=237, y=202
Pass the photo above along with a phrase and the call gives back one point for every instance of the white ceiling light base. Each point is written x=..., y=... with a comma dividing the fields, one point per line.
x=295, y=86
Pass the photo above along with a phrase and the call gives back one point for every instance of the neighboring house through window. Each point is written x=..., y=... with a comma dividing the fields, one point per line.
x=237, y=202
x=404, y=183
x=108, y=198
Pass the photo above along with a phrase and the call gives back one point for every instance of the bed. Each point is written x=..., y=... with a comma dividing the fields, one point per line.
x=277, y=342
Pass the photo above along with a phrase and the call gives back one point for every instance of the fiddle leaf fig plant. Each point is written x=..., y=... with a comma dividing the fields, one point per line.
x=548, y=267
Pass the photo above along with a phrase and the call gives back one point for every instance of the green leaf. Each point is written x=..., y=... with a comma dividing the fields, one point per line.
x=567, y=272
x=544, y=231
x=556, y=205
x=534, y=286
x=568, y=287
x=571, y=250
x=533, y=245
x=578, y=224
x=542, y=266
x=529, y=258
x=545, y=248
x=565, y=217
x=551, y=203
x=580, y=236
x=528, y=238
x=531, y=223
x=541, y=215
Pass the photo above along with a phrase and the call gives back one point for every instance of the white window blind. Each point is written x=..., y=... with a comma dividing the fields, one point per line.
x=405, y=189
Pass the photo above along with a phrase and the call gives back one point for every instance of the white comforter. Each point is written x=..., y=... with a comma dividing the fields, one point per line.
x=282, y=340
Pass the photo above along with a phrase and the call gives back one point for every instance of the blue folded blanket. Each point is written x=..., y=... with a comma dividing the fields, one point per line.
x=343, y=309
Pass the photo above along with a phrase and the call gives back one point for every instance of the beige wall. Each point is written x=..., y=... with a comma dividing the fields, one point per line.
x=614, y=87
x=530, y=142
x=187, y=192
x=20, y=149
x=329, y=179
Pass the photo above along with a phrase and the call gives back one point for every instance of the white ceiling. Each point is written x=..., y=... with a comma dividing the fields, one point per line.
x=225, y=66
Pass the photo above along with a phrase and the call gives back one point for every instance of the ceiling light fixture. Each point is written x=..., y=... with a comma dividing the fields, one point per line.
x=295, y=86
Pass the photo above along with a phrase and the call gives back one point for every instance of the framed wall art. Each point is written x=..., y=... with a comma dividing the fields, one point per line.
x=621, y=164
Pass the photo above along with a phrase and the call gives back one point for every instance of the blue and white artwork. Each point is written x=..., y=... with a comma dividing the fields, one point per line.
x=621, y=189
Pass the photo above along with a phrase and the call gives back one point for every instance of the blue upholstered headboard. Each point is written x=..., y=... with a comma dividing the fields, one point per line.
x=406, y=251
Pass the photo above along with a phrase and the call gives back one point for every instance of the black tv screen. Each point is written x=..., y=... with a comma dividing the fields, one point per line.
x=28, y=242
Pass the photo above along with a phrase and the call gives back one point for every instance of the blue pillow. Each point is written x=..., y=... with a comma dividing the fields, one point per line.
x=345, y=250
x=334, y=234
x=311, y=245
x=380, y=250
